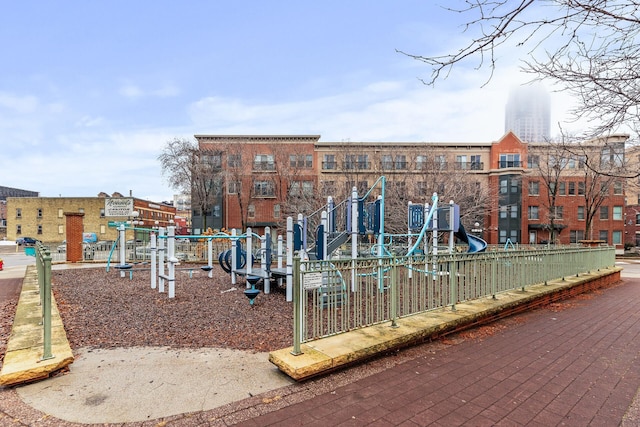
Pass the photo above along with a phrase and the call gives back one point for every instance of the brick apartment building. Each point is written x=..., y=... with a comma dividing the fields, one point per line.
x=265, y=178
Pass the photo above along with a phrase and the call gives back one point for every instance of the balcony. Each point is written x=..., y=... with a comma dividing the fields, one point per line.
x=503, y=164
x=329, y=165
x=356, y=165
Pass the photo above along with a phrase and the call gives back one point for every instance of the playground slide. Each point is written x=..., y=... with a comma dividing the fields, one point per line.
x=476, y=244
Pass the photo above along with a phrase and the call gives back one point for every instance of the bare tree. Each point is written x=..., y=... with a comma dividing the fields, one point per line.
x=549, y=162
x=192, y=171
x=590, y=48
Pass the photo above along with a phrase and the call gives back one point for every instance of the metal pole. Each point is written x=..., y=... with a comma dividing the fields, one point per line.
x=290, y=245
x=154, y=257
x=46, y=307
x=297, y=308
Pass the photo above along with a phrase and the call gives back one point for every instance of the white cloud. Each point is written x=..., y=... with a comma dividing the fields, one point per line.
x=130, y=91
x=19, y=104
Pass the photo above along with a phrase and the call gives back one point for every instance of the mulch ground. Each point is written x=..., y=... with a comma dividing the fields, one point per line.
x=100, y=309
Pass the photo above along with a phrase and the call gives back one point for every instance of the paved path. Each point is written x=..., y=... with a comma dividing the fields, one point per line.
x=574, y=364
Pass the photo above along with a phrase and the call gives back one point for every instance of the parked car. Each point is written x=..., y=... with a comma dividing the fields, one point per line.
x=26, y=241
x=63, y=247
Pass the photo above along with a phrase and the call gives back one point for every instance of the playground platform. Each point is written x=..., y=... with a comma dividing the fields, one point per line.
x=339, y=351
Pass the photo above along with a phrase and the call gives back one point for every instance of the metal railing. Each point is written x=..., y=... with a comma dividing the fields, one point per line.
x=332, y=297
x=43, y=266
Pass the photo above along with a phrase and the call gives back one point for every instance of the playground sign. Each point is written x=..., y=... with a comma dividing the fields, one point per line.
x=312, y=281
x=118, y=206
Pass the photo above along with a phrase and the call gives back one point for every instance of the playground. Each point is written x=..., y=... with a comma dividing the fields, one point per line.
x=206, y=312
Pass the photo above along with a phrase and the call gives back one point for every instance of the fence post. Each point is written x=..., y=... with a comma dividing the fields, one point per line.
x=297, y=308
x=394, y=292
x=46, y=306
x=453, y=282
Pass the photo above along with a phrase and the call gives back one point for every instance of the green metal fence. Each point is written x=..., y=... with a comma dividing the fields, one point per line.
x=331, y=297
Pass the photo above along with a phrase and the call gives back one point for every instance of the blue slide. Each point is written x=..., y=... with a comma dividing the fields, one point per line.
x=476, y=244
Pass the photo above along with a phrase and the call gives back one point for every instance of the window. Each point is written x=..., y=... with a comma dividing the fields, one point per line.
x=514, y=211
x=562, y=188
x=81, y=210
x=301, y=160
x=400, y=188
x=299, y=188
x=350, y=161
x=616, y=237
x=572, y=163
x=604, y=212
x=440, y=162
x=576, y=236
x=509, y=161
x=328, y=188
x=18, y=213
x=233, y=187
x=559, y=212
x=60, y=229
x=18, y=229
x=421, y=188
x=582, y=160
x=103, y=229
x=617, y=188
x=617, y=213
x=386, y=162
x=39, y=213
x=276, y=211
x=39, y=229
x=60, y=213
x=401, y=162
x=612, y=155
x=476, y=163
x=363, y=161
x=461, y=162
x=217, y=210
x=581, y=188
x=263, y=162
x=572, y=188
x=503, y=211
x=515, y=185
x=637, y=219
x=251, y=211
x=603, y=235
x=421, y=162
x=329, y=162
x=533, y=161
x=263, y=189
x=101, y=212
x=234, y=160
x=534, y=188
x=581, y=213
x=533, y=212
x=504, y=186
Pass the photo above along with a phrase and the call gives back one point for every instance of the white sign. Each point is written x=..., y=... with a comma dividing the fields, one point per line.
x=118, y=206
x=312, y=280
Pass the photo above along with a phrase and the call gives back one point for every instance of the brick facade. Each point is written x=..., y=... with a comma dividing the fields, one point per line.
x=499, y=167
x=44, y=217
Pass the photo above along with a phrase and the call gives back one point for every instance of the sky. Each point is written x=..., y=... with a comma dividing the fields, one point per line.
x=91, y=91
